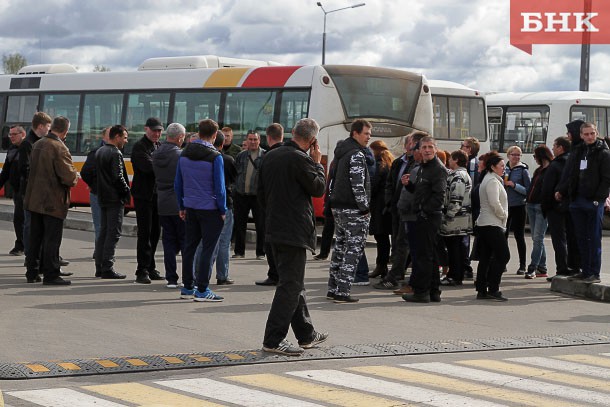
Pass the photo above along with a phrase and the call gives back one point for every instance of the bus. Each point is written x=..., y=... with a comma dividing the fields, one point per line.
x=458, y=112
x=233, y=93
x=531, y=119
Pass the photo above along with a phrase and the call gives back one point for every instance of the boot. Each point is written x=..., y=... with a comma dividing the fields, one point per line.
x=380, y=271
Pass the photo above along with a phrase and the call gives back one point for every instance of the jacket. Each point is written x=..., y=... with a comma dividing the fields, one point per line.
x=494, y=202
x=10, y=170
x=112, y=184
x=404, y=205
x=521, y=177
x=200, y=180
x=351, y=186
x=232, y=150
x=88, y=172
x=593, y=183
x=289, y=178
x=457, y=215
x=381, y=220
x=393, y=185
x=230, y=177
x=51, y=176
x=165, y=161
x=143, y=185
x=25, y=150
x=534, y=194
x=429, y=189
x=241, y=163
x=552, y=179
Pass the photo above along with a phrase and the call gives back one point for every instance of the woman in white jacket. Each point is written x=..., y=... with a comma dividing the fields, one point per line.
x=491, y=225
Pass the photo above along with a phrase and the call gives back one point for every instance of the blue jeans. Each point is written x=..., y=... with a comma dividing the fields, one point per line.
x=362, y=270
x=538, y=225
x=96, y=214
x=587, y=220
x=223, y=248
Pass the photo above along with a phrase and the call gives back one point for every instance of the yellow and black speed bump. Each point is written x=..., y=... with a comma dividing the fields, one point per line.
x=129, y=364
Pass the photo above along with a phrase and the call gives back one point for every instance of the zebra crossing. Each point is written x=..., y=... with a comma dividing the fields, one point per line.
x=562, y=380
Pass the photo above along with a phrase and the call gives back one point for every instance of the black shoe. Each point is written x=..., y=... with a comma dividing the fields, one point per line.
x=380, y=271
x=63, y=262
x=345, y=299
x=266, y=281
x=65, y=273
x=497, y=296
x=320, y=257
x=483, y=296
x=330, y=296
x=386, y=285
x=435, y=296
x=577, y=276
x=56, y=281
x=36, y=279
x=142, y=279
x=418, y=297
x=113, y=275
x=469, y=275
x=16, y=252
x=98, y=274
x=155, y=275
x=228, y=281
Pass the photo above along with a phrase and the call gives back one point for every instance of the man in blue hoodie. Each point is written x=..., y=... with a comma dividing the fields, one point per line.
x=201, y=194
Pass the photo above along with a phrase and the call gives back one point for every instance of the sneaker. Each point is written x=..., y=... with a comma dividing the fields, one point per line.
x=318, y=338
x=330, y=295
x=386, y=285
x=530, y=275
x=497, y=296
x=16, y=252
x=577, y=276
x=260, y=257
x=591, y=279
x=173, y=284
x=361, y=283
x=206, y=296
x=448, y=281
x=238, y=256
x=345, y=299
x=541, y=275
x=521, y=271
x=143, y=279
x=186, y=294
x=285, y=348
x=320, y=257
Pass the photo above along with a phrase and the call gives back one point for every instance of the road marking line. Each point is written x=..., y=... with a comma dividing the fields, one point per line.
x=172, y=359
x=69, y=366
x=515, y=382
x=576, y=368
x=143, y=395
x=391, y=389
x=62, y=397
x=136, y=362
x=37, y=368
x=537, y=373
x=200, y=358
x=231, y=393
x=589, y=359
x=106, y=363
x=234, y=356
x=314, y=391
x=461, y=386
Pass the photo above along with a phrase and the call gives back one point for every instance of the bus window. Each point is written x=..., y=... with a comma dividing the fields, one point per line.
x=526, y=127
x=441, y=117
x=294, y=107
x=5, y=140
x=141, y=106
x=249, y=111
x=67, y=106
x=100, y=111
x=21, y=109
x=466, y=118
x=494, y=116
x=591, y=114
x=192, y=107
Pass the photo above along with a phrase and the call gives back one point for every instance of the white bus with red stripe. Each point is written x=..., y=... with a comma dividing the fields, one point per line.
x=241, y=97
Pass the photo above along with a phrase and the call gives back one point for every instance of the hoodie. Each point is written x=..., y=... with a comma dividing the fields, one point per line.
x=351, y=186
x=164, y=161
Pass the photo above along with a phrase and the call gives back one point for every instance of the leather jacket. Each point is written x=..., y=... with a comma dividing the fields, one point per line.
x=112, y=181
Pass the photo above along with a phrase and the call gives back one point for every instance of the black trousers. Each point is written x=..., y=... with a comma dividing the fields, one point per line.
x=564, y=241
x=516, y=223
x=149, y=230
x=272, y=273
x=328, y=231
x=242, y=204
x=111, y=225
x=18, y=219
x=45, y=238
x=426, y=278
x=289, y=306
x=494, y=255
x=383, y=249
x=455, y=253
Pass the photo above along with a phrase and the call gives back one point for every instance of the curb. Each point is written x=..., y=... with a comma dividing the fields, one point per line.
x=597, y=292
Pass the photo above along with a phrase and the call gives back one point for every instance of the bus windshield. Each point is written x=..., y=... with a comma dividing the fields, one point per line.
x=373, y=93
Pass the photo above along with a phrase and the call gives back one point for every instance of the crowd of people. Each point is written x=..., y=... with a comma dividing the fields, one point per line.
x=430, y=210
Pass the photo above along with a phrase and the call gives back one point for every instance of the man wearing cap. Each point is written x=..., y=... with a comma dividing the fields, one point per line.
x=144, y=192
x=165, y=160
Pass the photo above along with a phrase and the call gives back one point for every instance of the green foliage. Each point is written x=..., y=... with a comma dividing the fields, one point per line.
x=12, y=63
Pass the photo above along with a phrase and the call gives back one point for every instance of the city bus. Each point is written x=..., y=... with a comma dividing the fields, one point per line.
x=459, y=112
x=232, y=92
x=531, y=119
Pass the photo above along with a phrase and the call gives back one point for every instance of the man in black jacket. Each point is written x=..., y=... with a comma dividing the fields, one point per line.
x=144, y=191
x=289, y=178
x=10, y=174
x=113, y=193
x=429, y=195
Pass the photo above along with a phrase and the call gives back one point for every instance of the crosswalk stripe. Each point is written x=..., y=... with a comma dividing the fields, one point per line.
x=543, y=374
x=313, y=391
x=62, y=397
x=588, y=359
x=231, y=393
x=461, y=386
x=516, y=382
x=576, y=368
x=391, y=389
x=143, y=395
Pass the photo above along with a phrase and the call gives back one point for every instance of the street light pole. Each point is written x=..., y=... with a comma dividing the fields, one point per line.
x=324, y=32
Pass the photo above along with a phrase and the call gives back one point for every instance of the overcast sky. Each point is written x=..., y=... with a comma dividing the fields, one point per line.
x=462, y=41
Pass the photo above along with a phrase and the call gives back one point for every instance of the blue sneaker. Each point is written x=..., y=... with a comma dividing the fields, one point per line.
x=207, y=296
x=186, y=294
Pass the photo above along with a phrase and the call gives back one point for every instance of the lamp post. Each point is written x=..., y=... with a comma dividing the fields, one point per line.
x=324, y=33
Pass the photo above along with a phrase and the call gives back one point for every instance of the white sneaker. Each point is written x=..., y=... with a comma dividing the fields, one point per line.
x=362, y=283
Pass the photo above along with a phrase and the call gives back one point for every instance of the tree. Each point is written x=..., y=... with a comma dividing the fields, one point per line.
x=12, y=63
x=101, y=68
